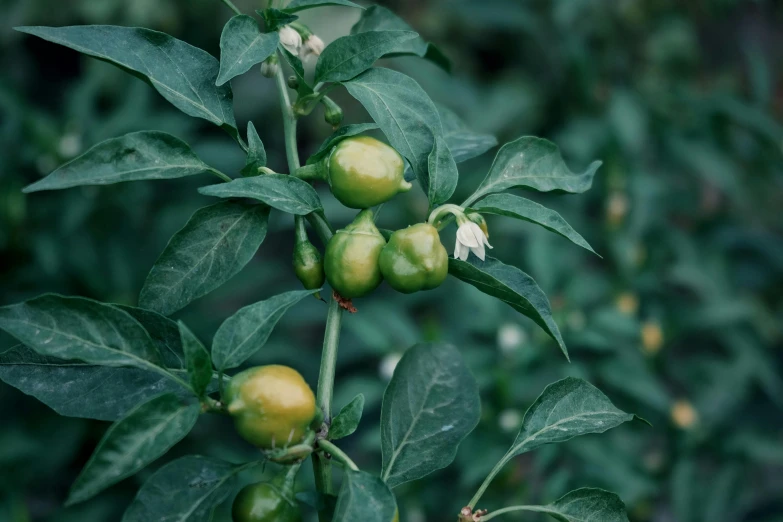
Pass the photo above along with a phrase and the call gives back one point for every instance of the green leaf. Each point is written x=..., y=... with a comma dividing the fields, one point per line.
x=527, y=210
x=346, y=422
x=533, y=163
x=185, y=490
x=364, y=498
x=183, y=74
x=304, y=87
x=78, y=389
x=512, y=286
x=136, y=156
x=353, y=54
x=214, y=245
x=346, y=131
x=582, y=505
x=462, y=141
x=431, y=403
x=404, y=113
x=300, y=5
x=377, y=18
x=164, y=333
x=256, y=154
x=275, y=18
x=443, y=173
x=133, y=442
x=279, y=191
x=245, y=332
x=199, y=362
x=243, y=45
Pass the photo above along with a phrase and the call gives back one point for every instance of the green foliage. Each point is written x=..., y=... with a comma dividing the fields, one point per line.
x=351, y=55
x=364, y=497
x=282, y=192
x=347, y=420
x=243, y=45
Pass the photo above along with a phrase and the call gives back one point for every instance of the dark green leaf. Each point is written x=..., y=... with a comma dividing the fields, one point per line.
x=533, y=163
x=243, y=45
x=582, y=505
x=364, y=498
x=198, y=360
x=443, y=173
x=280, y=191
x=512, y=286
x=133, y=442
x=463, y=142
x=377, y=18
x=215, y=244
x=164, y=333
x=275, y=18
x=136, y=156
x=300, y=5
x=521, y=208
x=256, y=153
x=245, y=332
x=185, y=490
x=346, y=422
x=431, y=404
x=353, y=54
x=304, y=88
x=404, y=113
x=183, y=74
x=346, y=131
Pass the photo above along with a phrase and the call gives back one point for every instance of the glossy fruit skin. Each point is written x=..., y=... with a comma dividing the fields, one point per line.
x=272, y=405
x=351, y=259
x=308, y=265
x=414, y=259
x=364, y=172
x=264, y=502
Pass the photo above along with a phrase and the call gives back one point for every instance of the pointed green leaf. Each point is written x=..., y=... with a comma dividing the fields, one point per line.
x=463, y=142
x=364, y=498
x=443, y=173
x=512, y=286
x=533, y=163
x=133, y=442
x=245, y=332
x=279, y=191
x=431, y=403
x=256, y=154
x=145, y=155
x=527, y=210
x=346, y=131
x=300, y=5
x=346, y=422
x=243, y=45
x=353, y=54
x=164, y=333
x=183, y=74
x=198, y=360
x=582, y=505
x=276, y=18
x=215, y=244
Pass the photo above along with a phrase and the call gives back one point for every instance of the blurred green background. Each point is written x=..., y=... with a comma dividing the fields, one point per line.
x=679, y=322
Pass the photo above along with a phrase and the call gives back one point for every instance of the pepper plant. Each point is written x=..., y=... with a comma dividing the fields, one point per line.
x=159, y=378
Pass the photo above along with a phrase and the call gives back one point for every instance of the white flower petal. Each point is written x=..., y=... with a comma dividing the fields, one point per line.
x=479, y=251
x=290, y=39
x=466, y=236
x=461, y=251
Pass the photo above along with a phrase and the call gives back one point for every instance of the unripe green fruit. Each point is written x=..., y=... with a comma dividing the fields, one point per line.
x=333, y=114
x=308, y=266
x=414, y=259
x=264, y=502
x=351, y=260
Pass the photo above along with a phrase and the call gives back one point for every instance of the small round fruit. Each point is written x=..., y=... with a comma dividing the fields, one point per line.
x=351, y=259
x=414, y=259
x=272, y=405
x=264, y=502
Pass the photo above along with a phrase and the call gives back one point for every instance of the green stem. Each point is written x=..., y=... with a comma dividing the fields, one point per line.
x=316, y=171
x=219, y=174
x=321, y=226
x=484, y=485
x=338, y=454
x=232, y=6
x=539, y=509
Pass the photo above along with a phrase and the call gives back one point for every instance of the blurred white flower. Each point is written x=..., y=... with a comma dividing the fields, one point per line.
x=290, y=39
x=511, y=337
x=388, y=364
x=470, y=238
x=509, y=420
x=313, y=46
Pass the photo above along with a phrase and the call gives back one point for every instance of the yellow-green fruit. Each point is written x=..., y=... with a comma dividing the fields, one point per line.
x=396, y=516
x=264, y=502
x=351, y=258
x=272, y=405
x=414, y=259
x=364, y=172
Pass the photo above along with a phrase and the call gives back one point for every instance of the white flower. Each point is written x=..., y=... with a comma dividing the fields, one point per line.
x=470, y=238
x=290, y=39
x=388, y=364
x=313, y=46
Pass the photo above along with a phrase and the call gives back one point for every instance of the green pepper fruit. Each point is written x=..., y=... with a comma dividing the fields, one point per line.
x=272, y=405
x=308, y=266
x=333, y=114
x=265, y=502
x=414, y=259
x=351, y=260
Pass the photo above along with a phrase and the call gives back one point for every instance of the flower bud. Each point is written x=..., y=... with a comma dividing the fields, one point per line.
x=313, y=46
x=290, y=39
x=293, y=82
x=333, y=114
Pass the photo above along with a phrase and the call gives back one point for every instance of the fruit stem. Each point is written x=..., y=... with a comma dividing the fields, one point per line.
x=338, y=454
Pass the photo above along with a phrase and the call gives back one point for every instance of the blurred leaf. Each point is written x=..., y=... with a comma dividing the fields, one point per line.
x=464, y=143
x=212, y=247
x=346, y=131
x=443, y=174
x=279, y=191
x=351, y=55
x=364, y=498
x=133, y=442
x=430, y=405
x=198, y=360
x=300, y=5
x=582, y=505
x=345, y=422
x=243, y=45
x=256, y=154
x=144, y=155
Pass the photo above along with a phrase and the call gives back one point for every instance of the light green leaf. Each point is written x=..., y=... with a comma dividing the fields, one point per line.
x=279, y=191
x=443, y=173
x=144, y=155
x=243, y=45
x=133, y=442
x=346, y=131
x=245, y=332
x=404, y=113
x=198, y=360
x=582, y=505
x=364, y=498
x=527, y=210
x=183, y=74
x=512, y=286
x=353, y=54
x=346, y=422
x=532, y=163
x=431, y=403
x=185, y=490
x=256, y=153
x=215, y=244
x=462, y=141
x=300, y=5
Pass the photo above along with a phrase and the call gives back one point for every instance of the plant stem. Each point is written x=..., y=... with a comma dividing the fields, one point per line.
x=232, y=6
x=484, y=485
x=539, y=509
x=219, y=174
x=338, y=454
